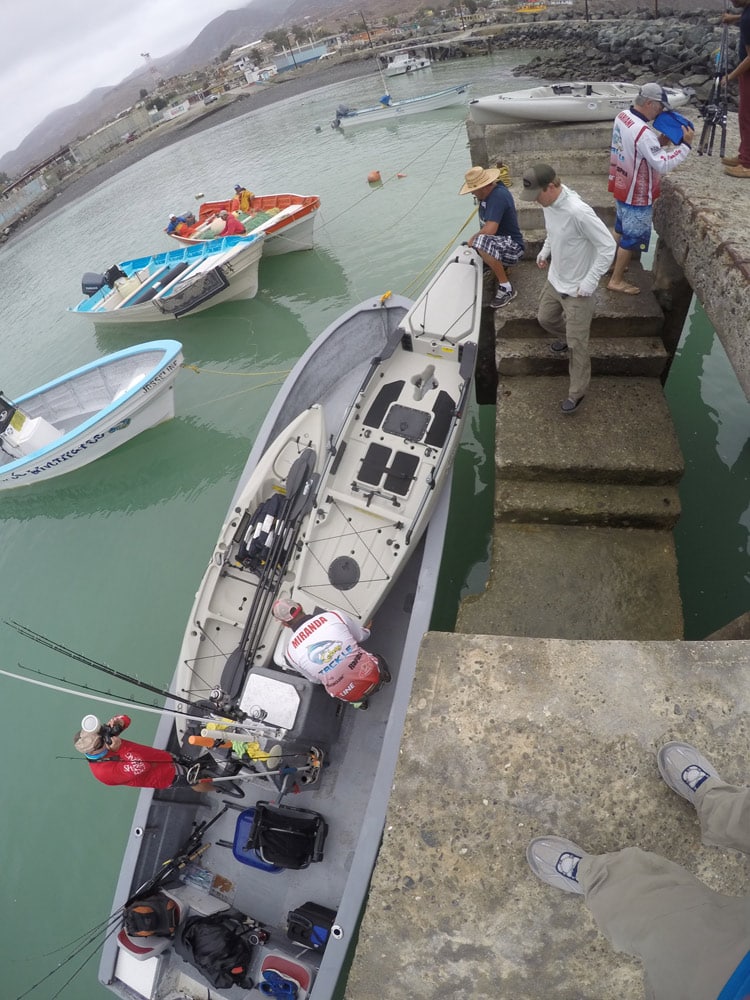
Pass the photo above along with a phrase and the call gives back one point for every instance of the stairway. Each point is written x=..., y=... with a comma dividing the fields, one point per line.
x=584, y=504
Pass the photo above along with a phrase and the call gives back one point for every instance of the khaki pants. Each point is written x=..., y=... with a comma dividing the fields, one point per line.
x=689, y=938
x=568, y=318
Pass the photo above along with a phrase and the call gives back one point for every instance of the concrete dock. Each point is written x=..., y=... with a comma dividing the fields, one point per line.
x=542, y=714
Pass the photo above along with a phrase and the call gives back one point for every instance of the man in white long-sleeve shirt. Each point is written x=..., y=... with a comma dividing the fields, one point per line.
x=578, y=249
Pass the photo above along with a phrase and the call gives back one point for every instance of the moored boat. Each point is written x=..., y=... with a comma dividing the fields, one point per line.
x=302, y=917
x=403, y=61
x=77, y=418
x=388, y=110
x=287, y=220
x=173, y=284
x=587, y=101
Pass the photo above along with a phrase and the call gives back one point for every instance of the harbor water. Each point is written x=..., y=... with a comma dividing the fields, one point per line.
x=106, y=560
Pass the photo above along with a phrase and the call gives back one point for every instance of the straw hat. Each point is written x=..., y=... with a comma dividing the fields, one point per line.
x=479, y=177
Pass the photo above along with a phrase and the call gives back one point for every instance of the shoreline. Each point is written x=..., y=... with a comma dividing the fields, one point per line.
x=306, y=79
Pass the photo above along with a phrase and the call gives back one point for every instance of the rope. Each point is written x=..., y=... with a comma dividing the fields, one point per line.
x=440, y=254
x=216, y=371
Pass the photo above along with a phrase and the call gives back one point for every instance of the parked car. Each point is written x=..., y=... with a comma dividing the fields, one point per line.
x=210, y=98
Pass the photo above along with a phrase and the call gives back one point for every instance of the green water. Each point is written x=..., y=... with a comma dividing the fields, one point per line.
x=107, y=559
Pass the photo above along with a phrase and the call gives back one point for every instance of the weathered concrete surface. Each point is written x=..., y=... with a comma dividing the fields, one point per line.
x=702, y=215
x=587, y=582
x=507, y=739
x=575, y=149
x=622, y=432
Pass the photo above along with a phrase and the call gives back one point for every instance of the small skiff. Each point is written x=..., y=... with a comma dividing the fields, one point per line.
x=87, y=413
x=173, y=284
x=388, y=110
x=286, y=219
x=303, y=920
x=405, y=61
x=562, y=102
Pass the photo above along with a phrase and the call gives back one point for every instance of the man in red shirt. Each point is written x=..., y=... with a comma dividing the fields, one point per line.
x=232, y=225
x=115, y=761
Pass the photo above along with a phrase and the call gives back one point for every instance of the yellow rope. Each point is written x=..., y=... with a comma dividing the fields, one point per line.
x=240, y=392
x=440, y=254
x=215, y=371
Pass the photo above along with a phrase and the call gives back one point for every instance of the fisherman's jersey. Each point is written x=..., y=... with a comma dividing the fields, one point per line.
x=637, y=161
x=325, y=649
x=136, y=765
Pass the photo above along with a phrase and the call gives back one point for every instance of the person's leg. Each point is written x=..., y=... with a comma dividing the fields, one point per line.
x=549, y=314
x=495, y=265
x=578, y=315
x=689, y=938
x=744, y=120
x=634, y=226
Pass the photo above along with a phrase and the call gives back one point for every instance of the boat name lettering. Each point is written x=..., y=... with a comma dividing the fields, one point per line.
x=307, y=630
x=53, y=462
x=157, y=379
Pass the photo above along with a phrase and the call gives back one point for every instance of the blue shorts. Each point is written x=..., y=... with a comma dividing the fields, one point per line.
x=634, y=225
x=502, y=248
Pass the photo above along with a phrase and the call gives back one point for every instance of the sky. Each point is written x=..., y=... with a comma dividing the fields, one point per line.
x=54, y=52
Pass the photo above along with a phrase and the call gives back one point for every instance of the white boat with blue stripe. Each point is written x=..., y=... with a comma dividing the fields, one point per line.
x=87, y=413
x=173, y=284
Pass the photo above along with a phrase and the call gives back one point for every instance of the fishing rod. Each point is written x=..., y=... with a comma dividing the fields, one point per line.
x=714, y=110
x=72, y=654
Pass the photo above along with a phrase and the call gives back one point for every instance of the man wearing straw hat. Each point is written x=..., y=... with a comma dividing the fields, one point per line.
x=499, y=242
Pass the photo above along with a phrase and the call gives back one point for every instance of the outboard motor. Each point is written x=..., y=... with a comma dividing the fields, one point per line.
x=91, y=282
x=113, y=274
x=7, y=411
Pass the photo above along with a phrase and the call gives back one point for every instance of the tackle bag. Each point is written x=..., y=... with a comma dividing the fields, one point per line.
x=154, y=916
x=310, y=925
x=218, y=945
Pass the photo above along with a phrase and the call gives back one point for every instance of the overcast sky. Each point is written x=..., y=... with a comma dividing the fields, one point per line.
x=53, y=52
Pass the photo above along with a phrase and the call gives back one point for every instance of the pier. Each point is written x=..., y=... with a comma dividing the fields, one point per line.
x=543, y=712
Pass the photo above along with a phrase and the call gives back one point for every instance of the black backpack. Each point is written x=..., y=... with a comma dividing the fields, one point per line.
x=219, y=947
x=154, y=916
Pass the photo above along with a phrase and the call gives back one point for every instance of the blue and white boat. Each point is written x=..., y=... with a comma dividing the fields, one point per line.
x=173, y=284
x=87, y=413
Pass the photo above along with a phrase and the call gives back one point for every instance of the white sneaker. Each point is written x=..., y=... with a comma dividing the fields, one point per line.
x=684, y=769
x=555, y=861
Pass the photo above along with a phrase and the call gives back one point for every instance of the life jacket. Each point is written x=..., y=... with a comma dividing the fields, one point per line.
x=220, y=949
x=154, y=916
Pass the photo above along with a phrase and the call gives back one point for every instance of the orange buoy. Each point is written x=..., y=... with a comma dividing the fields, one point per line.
x=374, y=177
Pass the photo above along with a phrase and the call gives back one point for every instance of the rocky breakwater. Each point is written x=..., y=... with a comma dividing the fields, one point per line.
x=680, y=51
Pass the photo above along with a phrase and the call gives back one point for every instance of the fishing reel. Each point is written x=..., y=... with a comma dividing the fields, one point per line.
x=90, y=724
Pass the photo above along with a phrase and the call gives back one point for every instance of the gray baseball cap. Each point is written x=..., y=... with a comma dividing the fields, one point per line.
x=654, y=92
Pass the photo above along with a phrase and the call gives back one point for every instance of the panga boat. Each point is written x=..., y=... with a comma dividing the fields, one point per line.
x=299, y=917
x=286, y=219
x=403, y=61
x=388, y=110
x=173, y=284
x=87, y=413
x=562, y=102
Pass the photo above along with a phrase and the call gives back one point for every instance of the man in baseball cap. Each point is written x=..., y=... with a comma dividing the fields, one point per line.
x=637, y=163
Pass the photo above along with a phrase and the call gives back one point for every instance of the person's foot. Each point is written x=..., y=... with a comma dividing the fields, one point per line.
x=738, y=171
x=555, y=861
x=503, y=297
x=558, y=346
x=571, y=405
x=624, y=287
x=730, y=161
x=684, y=769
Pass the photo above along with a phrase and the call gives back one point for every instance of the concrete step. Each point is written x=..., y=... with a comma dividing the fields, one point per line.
x=621, y=433
x=587, y=582
x=603, y=504
x=572, y=149
x=616, y=315
x=636, y=356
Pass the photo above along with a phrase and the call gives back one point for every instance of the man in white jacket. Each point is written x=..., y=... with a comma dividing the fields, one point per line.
x=578, y=250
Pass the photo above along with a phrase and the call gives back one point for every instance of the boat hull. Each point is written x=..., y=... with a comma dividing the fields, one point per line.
x=355, y=784
x=216, y=271
x=141, y=396
x=396, y=110
x=289, y=230
x=576, y=102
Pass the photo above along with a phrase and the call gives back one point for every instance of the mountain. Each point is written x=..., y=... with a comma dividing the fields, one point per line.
x=232, y=28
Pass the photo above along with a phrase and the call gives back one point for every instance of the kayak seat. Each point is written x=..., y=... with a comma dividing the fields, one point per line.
x=286, y=837
x=444, y=410
x=388, y=394
x=399, y=475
